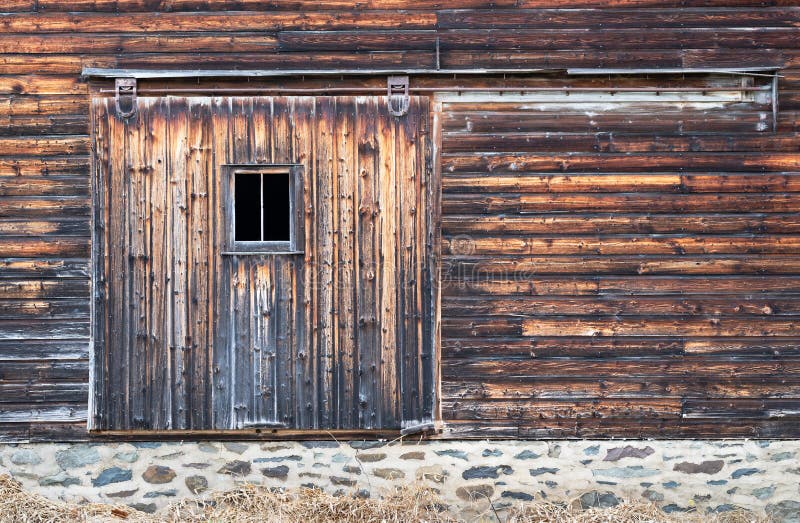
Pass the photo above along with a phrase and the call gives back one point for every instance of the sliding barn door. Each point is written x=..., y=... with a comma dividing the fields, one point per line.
x=337, y=334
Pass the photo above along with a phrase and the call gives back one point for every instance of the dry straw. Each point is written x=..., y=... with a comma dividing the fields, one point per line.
x=252, y=503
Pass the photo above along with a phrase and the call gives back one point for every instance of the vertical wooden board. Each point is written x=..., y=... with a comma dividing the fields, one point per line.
x=368, y=337
x=324, y=211
x=346, y=392
x=261, y=124
x=117, y=353
x=180, y=345
x=428, y=221
x=138, y=238
x=287, y=349
x=302, y=111
x=199, y=172
x=99, y=414
x=408, y=263
x=433, y=212
x=222, y=352
x=387, y=186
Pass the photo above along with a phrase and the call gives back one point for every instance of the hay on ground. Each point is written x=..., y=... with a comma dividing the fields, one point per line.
x=252, y=503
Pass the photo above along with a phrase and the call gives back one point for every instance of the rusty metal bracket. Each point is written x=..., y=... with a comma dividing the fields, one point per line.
x=397, y=95
x=125, y=96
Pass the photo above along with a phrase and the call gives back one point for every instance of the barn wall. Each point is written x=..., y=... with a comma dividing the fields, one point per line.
x=44, y=112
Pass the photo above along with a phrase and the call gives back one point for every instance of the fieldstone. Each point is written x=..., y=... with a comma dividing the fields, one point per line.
x=364, y=445
x=279, y=472
x=521, y=496
x=706, y=467
x=196, y=484
x=458, y=454
x=235, y=468
x=208, y=448
x=171, y=493
x=418, y=455
x=112, y=475
x=653, y=495
x=363, y=493
x=59, y=479
x=738, y=473
x=340, y=458
x=25, y=457
x=475, y=492
x=435, y=473
x=235, y=447
x=310, y=475
x=389, y=473
x=352, y=469
x=594, y=450
x=278, y=459
x=628, y=451
x=552, y=484
x=673, y=508
x=725, y=507
x=596, y=499
x=717, y=482
x=553, y=450
x=786, y=511
x=626, y=472
x=493, y=453
x=344, y=482
x=371, y=458
x=701, y=498
x=148, y=508
x=485, y=472
x=158, y=474
x=146, y=445
x=764, y=492
x=671, y=484
x=77, y=456
x=320, y=444
x=527, y=454
x=543, y=470
x=275, y=447
x=122, y=493
x=127, y=457
x=198, y=466
x=782, y=456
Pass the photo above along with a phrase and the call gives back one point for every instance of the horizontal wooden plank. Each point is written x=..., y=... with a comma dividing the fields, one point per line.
x=599, y=389
x=73, y=412
x=768, y=408
x=77, y=309
x=516, y=347
x=41, y=84
x=596, y=285
x=44, y=371
x=457, y=269
x=41, y=288
x=697, y=366
x=621, y=244
x=28, y=247
x=44, y=186
x=618, y=18
x=136, y=42
x=66, y=124
x=619, y=223
x=44, y=145
x=516, y=203
x=44, y=207
x=54, y=349
x=48, y=106
x=44, y=329
x=495, y=162
x=35, y=394
x=731, y=305
x=13, y=268
x=49, y=165
x=617, y=183
x=608, y=141
x=220, y=21
x=55, y=227
x=638, y=408
x=516, y=131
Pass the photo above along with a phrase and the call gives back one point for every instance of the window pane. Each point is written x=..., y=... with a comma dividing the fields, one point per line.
x=247, y=207
x=277, y=208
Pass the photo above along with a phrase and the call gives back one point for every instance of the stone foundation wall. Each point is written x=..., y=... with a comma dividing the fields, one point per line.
x=677, y=475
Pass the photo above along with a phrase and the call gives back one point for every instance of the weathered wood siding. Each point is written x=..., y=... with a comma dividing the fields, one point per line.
x=45, y=142
x=191, y=337
x=620, y=264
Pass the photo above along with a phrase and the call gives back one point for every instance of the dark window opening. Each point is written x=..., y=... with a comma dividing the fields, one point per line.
x=262, y=207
